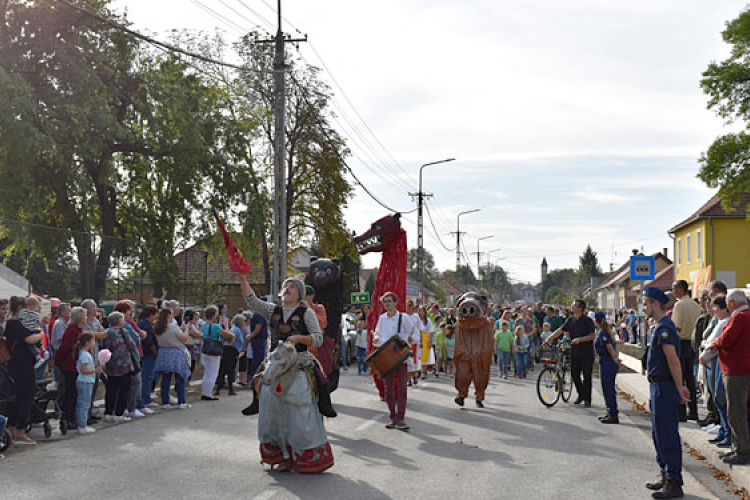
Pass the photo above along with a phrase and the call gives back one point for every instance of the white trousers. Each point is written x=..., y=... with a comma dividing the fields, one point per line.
x=210, y=373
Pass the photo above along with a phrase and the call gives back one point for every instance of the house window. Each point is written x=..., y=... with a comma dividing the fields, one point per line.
x=689, y=250
x=698, y=245
x=679, y=251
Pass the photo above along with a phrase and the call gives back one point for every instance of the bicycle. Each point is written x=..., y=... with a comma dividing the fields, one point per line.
x=554, y=380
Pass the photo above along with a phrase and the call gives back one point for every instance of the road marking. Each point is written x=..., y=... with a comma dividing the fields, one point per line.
x=265, y=495
x=370, y=422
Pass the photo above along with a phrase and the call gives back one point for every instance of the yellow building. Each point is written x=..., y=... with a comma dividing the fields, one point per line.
x=713, y=244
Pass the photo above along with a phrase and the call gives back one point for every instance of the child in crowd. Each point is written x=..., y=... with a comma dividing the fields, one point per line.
x=31, y=319
x=441, y=352
x=522, y=351
x=546, y=330
x=85, y=381
x=361, y=346
x=449, y=341
x=504, y=345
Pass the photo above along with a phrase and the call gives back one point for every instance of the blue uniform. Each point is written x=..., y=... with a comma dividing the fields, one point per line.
x=665, y=401
x=608, y=369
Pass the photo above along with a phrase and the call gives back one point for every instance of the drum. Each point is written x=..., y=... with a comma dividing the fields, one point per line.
x=389, y=356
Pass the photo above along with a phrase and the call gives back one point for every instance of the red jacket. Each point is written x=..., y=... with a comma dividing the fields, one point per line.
x=734, y=345
x=64, y=357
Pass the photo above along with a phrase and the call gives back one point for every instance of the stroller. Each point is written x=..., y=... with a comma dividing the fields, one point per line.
x=39, y=408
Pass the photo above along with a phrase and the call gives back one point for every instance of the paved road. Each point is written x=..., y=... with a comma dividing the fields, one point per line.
x=513, y=448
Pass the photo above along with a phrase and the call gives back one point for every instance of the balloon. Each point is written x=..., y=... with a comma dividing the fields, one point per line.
x=104, y=356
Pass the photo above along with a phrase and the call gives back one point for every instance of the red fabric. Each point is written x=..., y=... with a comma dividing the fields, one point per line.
x=64, y=357
x=391, y=278
x=237, y=262
x=734, y=345
x=308, y=461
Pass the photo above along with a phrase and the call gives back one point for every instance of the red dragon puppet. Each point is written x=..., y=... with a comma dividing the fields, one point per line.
x=387, y=237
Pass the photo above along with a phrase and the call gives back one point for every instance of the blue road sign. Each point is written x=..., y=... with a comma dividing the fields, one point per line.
x=642, y=267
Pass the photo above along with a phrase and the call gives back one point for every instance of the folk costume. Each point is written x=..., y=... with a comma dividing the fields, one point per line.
x=290, y=426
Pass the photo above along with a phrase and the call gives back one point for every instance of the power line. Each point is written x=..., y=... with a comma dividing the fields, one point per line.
x=242, y=15
x=153, y=41
x=282, y=17
x=256, y=13
x=225, y=20
x=437, y=235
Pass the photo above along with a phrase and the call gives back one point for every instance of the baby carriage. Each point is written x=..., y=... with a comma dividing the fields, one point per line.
x=39, y=408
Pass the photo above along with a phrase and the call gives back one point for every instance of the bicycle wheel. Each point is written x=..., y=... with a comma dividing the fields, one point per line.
x=548, y=386
x=567, y=385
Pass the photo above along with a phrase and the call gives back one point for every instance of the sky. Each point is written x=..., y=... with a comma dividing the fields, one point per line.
x=572, y=123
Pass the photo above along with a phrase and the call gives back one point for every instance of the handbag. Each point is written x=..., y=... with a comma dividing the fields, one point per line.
x=136, y=363
x=212, y=347
x=4, y=351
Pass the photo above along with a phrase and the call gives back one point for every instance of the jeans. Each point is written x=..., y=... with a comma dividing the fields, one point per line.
x=85, y=390
x=361, y=355
x=582, y=365
x=135, y=392
x=521, y=359
x=726, y=432
x=147, y=377
x=503, y=360
x=344, y=358
x=179, y=382
x=3, y=423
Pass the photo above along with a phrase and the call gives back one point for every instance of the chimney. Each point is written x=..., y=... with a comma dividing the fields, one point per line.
x=664, y=251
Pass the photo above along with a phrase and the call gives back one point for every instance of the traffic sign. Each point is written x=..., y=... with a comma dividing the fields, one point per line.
x=360, y=297
x=642, y=267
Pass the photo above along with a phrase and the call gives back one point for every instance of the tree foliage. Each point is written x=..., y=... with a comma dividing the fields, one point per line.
x=588, y=266
x=412, y=260
x=725, y=164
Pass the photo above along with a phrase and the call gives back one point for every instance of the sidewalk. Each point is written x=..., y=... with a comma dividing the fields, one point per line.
x=692, y=436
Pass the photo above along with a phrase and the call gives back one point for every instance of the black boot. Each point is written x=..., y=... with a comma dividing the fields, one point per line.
x=254, y=407
x=479, y=403
x=671, y=490
x=324, y=401
x=459, y=401
x=658, y=484
x=611, y=419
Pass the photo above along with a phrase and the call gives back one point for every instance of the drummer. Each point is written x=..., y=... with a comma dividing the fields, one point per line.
x=392, y=322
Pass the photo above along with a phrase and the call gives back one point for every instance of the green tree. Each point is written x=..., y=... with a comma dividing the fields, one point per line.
x=429, y=262
x=465, y=276
x=588, y=266
x=725, y=164
x=560, y=278
x=370, y=284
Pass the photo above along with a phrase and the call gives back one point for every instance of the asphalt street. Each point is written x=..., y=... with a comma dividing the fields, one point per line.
x=513, y=448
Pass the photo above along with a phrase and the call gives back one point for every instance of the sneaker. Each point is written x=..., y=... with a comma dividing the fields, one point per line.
x=52, y=386
x=86, y=430
x=185, y=406
x=147, y=411
x=136, y=414
x=402, y=426
x=109, y=418
x=26, y=440
x=152, y=405
x=391, y=425
x=716, y=430
x=173, y=400
x=154, y=396
x=166, y=407
x=39, y=363
x=122, y=419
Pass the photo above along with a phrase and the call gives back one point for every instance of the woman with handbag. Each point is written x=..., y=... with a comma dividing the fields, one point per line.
x=150, y=348
x=212, y=350
x=173, y=357
x=119, y=368
x=136, y=408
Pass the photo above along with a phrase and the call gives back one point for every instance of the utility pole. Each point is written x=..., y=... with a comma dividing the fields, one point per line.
x=278, y=273
x=421, y=196
x=458, y=234
x=479, y=254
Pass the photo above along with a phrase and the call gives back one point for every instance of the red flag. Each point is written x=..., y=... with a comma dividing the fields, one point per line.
x=237, y=262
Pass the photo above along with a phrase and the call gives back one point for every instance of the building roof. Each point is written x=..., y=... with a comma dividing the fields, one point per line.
x=713, y=208
x=622, y=274
x=663, y=279
x=544, y=261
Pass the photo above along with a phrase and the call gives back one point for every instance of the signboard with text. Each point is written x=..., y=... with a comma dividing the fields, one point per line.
x=642, y=267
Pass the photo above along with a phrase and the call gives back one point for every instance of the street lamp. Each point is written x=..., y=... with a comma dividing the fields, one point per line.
x=458, y=235
x=479, y=254
x=420, y=227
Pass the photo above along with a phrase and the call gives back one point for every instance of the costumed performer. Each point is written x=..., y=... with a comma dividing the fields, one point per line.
x=474, y=347
x=392, y=322
x=414, y=363
x=427, y=341
x=290, y=426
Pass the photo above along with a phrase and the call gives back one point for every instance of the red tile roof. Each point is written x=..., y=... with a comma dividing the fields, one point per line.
x=663, y=280
x=713, y=208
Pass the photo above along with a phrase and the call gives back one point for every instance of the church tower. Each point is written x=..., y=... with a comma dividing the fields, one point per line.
x=544, y=268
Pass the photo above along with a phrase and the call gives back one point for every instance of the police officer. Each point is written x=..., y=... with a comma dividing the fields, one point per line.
x=667, y=394
x=609, y=365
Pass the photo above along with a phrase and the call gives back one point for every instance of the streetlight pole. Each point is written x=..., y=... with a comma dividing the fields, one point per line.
x=458, y=235
x=479, y=254
x=420, y=224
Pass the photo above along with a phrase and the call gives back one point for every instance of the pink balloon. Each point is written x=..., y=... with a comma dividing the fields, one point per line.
x=104, y=356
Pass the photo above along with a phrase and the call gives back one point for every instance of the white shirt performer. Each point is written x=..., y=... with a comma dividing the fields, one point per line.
x=391, y=323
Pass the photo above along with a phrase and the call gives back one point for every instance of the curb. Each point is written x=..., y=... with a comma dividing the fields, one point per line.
x=692, y=436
